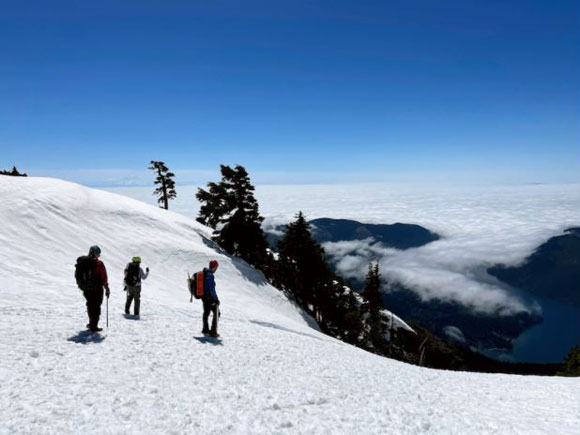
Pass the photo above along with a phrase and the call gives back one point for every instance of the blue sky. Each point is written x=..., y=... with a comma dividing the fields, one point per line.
x=296, y=91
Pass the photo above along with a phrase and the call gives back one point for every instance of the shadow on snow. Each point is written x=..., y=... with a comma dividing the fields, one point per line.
x=211, y=340
x=281, y=328
x=86, y=337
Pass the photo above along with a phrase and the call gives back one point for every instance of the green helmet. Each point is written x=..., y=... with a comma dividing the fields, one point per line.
x=136, y=259
x=95, y=250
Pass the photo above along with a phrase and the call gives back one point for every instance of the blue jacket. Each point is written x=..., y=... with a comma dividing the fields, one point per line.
x=209, y=289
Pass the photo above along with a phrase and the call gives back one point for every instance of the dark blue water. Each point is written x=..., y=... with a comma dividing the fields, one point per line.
x=551, y=340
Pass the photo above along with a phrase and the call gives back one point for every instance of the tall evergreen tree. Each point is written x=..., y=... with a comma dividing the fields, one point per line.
x=372, y=290
x=230, y=208
x=303, y=269
x=373, y=306
x=343, y=319
x=166, y=189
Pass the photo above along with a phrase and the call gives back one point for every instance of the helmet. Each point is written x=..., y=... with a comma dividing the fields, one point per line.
x=213, y=264
x=95, y=250
x=136, y=259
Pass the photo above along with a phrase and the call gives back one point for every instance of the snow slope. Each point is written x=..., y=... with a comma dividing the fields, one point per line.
x=271, y=372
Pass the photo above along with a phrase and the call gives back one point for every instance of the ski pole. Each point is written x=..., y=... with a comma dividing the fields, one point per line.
x=107, y=312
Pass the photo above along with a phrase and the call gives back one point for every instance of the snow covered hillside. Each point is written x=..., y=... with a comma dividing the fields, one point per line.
x=271, y=372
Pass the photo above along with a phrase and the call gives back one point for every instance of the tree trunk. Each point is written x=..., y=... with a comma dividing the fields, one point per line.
x=165, y=200
x=164, y=187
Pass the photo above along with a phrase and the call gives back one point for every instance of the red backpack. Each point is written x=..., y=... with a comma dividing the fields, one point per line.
x=195, y=285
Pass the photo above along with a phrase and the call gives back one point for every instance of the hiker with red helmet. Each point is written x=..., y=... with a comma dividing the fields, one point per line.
x=210, y=300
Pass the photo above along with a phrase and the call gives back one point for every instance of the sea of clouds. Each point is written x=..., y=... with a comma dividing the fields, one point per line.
x=479, y=227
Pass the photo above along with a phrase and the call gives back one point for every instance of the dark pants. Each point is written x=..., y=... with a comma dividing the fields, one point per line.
x=210, y=306
x=133, y=292
x=94, y=299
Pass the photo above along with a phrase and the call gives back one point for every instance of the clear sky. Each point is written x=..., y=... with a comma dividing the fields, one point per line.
x=296, y=91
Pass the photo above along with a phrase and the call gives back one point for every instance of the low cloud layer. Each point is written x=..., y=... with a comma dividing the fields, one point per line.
x=480, y=227
x=438, y=271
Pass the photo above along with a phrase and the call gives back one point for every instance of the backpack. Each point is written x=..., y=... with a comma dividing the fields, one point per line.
x=84, y=272
x=133, y=274
x=195, y=284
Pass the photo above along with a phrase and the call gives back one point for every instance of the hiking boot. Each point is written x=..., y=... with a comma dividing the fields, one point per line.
x=96, y=329
x=214, y=334
x=205, y=331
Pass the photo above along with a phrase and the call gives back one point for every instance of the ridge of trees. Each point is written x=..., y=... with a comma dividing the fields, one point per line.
x=301, y=271
x=14, y=172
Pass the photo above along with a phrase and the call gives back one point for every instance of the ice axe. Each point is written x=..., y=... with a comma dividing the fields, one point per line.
x=189, y=287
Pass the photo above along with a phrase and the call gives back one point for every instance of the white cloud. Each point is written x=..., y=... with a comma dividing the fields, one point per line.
x=431, y=272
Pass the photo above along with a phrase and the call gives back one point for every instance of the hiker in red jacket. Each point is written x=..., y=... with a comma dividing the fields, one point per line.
x=91, y=276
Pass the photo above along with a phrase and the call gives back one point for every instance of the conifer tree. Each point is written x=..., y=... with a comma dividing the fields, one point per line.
x=303, y=269
x=372, y=290
x=230, y=208
x=373, y=306
x=303, y=272
x=344, y=318
x=166, y=189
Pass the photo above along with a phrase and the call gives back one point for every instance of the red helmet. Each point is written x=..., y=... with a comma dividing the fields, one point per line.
x=213, y=264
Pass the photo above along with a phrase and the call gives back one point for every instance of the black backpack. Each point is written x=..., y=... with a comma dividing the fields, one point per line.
x=196, y=284
x=84, y=272
x=133, y=277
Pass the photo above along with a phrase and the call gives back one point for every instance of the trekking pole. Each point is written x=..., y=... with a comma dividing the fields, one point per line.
x=107, y=312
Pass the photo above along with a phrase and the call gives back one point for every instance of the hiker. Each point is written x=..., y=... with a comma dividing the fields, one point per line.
x=210, y=300
x=91, y=276
x=133, y=276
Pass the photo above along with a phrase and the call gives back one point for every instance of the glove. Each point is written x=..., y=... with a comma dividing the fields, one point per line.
x=107, y=293
x=147, y=269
